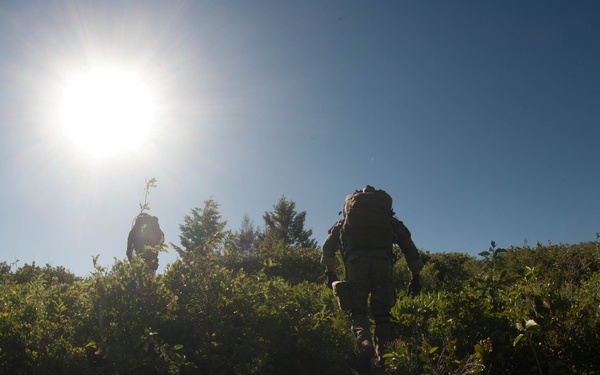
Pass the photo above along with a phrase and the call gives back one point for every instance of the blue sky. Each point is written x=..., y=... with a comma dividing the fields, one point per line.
x=479, y=118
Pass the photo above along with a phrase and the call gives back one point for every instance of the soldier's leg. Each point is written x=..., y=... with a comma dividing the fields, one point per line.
x=383, y=334
x=358, y=276
x=153, y=264
x=383, y=298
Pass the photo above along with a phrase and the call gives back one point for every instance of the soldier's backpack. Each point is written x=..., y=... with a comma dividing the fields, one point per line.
x=367, y=220
x=145, y=233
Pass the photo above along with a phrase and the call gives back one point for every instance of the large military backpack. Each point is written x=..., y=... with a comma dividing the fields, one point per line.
x=145, y=238
x=367, y=220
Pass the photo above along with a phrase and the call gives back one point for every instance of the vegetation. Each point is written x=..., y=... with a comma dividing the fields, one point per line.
x=286, y=225
x=255, y=302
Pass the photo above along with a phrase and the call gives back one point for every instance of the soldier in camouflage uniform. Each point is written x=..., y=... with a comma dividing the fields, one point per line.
x=369, y=271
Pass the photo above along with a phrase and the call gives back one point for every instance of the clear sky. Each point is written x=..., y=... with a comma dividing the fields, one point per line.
x=480, y=118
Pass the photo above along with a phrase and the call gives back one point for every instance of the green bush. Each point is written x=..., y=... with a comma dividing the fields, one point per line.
x=232, y=322
x=519, y=311
x=40, y=310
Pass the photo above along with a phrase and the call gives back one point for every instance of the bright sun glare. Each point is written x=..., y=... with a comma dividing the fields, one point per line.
x=107, y=111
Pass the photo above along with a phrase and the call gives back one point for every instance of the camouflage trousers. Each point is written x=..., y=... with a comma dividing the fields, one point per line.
x=371, y=277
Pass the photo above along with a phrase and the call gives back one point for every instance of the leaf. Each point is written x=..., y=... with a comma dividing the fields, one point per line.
x=433, y=350
x=178, y=347
x=530, y=323
x=484, y=254
x=518, y=339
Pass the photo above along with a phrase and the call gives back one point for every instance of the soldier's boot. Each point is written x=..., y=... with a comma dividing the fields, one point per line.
x=362, y=330
x=366, y=352
x=383, y=339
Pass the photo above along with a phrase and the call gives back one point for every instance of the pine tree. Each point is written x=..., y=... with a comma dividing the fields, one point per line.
x=247, y=236
x=202, y=233
x=286, y=225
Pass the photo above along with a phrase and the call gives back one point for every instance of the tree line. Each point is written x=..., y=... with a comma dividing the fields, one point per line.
x=203, y=231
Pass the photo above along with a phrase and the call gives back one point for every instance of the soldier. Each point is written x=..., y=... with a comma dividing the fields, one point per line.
x=146, y=238
x=365, y=237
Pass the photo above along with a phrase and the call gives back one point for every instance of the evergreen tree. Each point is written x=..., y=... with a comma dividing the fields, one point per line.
x=286, y=225
x=247, y=236
x=202, y=233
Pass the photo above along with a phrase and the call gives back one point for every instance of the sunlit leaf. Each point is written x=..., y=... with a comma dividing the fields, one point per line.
x=518, y=339
x=530, y=323
x=91, y=344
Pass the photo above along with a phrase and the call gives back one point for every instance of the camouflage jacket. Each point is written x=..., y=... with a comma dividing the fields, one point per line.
x=402, y=238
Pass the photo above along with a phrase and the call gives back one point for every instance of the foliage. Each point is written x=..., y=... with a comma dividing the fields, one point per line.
x=130, y=311
x=236, y=322
x=202, y=233
x=287, y=225
x=223, y=310
x=149, y=184
x=39, y=321
x=446, y=271
x=246, y=238
x=302, y=264
x=519, y=311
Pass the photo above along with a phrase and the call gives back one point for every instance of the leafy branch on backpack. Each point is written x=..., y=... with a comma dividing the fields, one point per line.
x=149, y=185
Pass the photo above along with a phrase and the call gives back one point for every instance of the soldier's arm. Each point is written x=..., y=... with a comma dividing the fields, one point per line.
x=129, y=251
x=330, y=246
x=404, y=241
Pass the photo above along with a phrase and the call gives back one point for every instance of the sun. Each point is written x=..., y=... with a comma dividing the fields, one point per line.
x=107, y=111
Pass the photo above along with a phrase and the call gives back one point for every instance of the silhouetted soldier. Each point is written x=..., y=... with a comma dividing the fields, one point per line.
x=146, y=239
x=365, y=237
